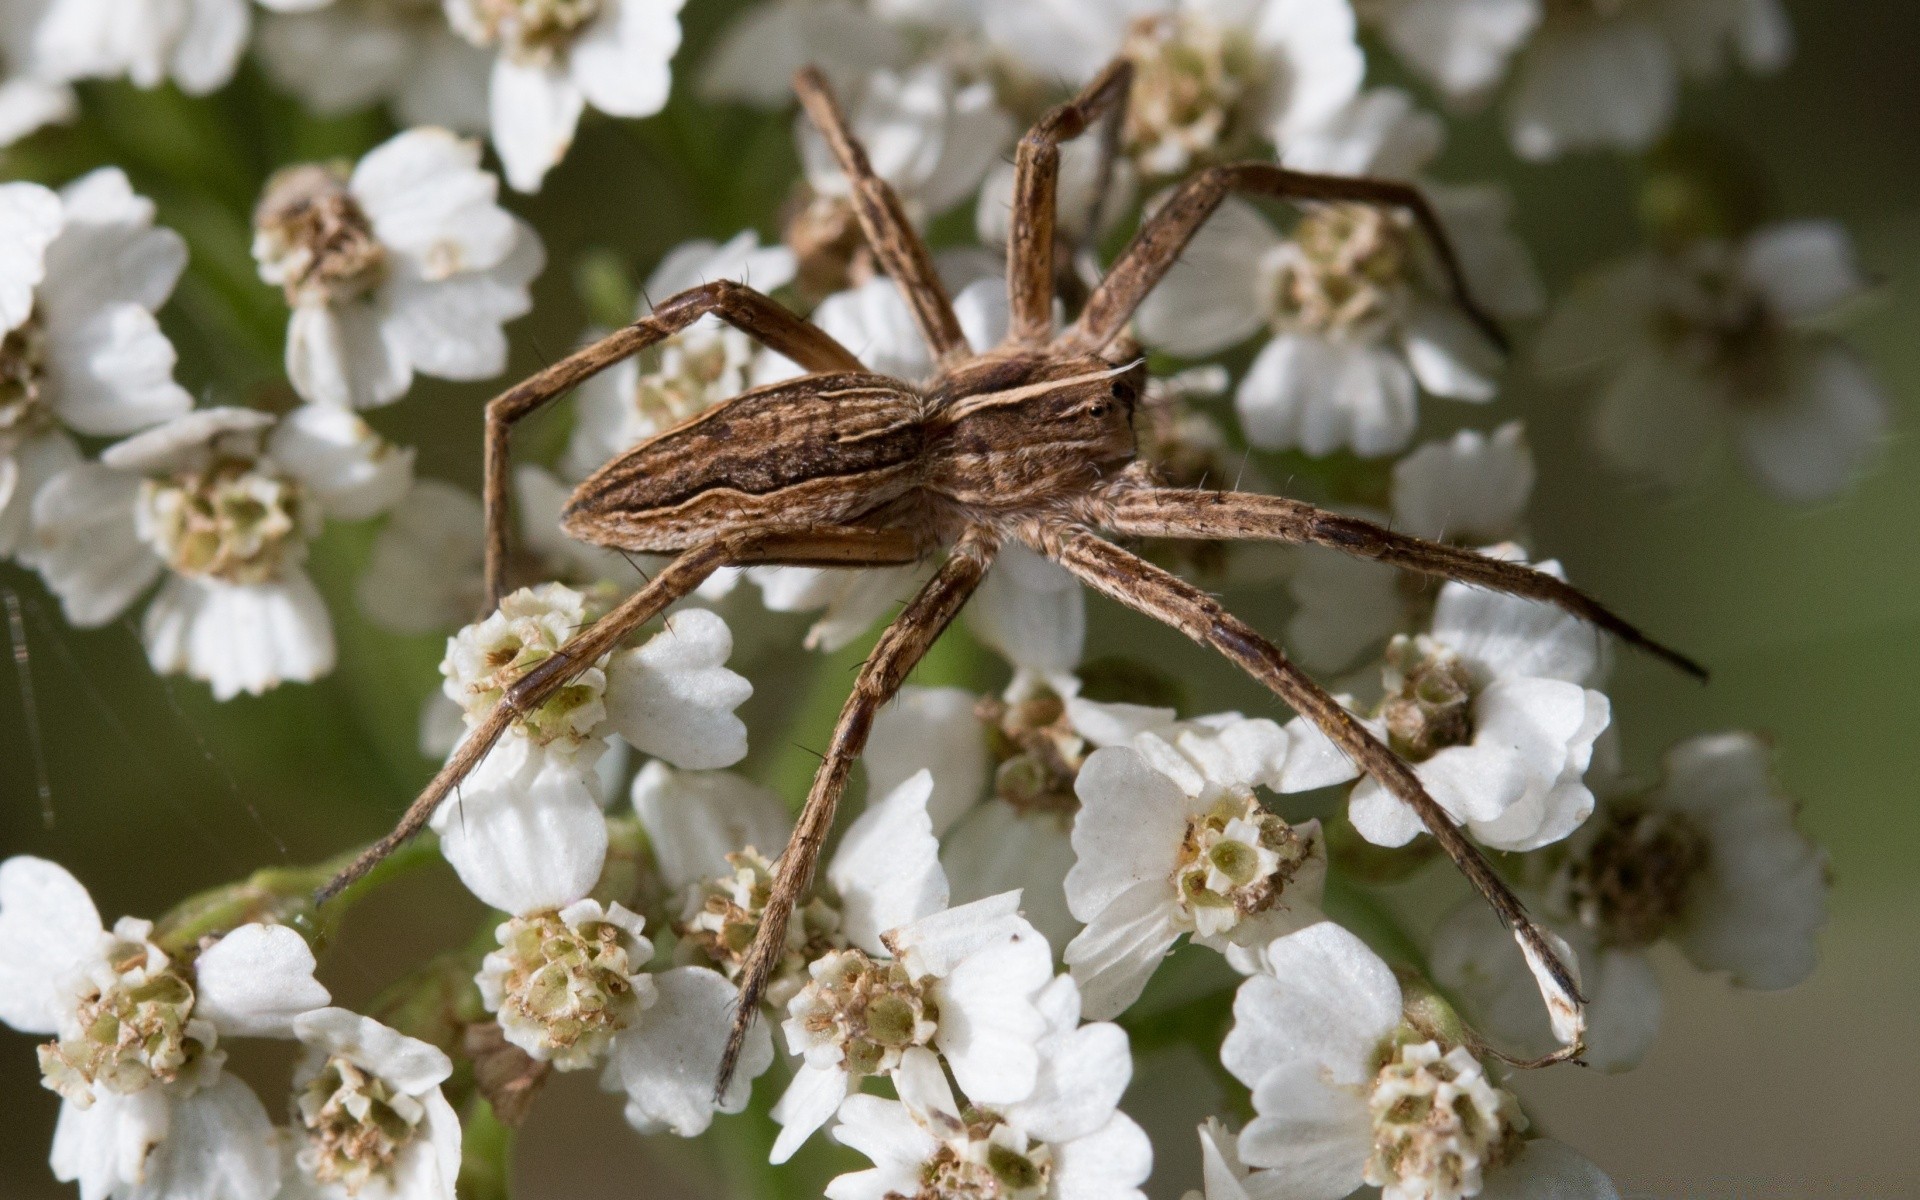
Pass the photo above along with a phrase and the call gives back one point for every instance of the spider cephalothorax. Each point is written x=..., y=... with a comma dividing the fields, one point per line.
x=1031, y=441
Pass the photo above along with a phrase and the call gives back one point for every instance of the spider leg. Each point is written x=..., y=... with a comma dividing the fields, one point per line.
x=900, y=648
x=753, y=313
x=1245, y=516
x=884, y=222
x=1165, y=597
x=1163, y=236
x=1035, y=184
x=830, y=546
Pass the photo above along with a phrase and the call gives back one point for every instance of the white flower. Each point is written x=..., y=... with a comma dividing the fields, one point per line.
x=930, y=135
x=81, y=273
x=221, y=502
x=554, y=57
x=759, y=53
x=565, y=984
x=194, y=43
x=1357, y=309
x=1727, y=336
x=372, y=1122
x=1212, y=77
x=914, y=973
x=1067, y=1139
x=1171, y=839
x=1345, y=1093
x=525, y=831
x=1470, y=490
x=1595, y=73
x=1493, y=711
x=405, y=266
x=1710, y=859
x=135, y=1055
x=667, y=1066
x=688, y=373
x=354, y=53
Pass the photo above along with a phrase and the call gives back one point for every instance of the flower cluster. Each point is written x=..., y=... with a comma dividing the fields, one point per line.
x=1078, y=852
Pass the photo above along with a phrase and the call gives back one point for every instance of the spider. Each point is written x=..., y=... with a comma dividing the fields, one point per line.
x=1030, y=442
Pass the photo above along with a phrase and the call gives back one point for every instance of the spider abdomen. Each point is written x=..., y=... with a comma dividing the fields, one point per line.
x=823, y=450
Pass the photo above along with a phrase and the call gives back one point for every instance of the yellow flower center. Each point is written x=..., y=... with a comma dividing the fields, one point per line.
x=230, y=521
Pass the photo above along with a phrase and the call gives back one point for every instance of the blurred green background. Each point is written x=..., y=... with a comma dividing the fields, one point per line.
x=1810, y=619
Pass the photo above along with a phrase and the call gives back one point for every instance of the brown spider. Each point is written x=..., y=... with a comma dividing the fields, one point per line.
x=1030, y=442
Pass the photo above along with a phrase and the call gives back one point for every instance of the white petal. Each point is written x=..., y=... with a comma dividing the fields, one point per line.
x=429, y=201
x=107, y=1147
x=886, y=1132
x=1510, y=637
x=668, y=1064
x=1380, y=133
x=696, y=818
x=998, y=848
x=1315, y=1136
x=246, y=637
x=1449, y=356
x=1472, y=488
x=1345, y=607
x=255, y=980
x=219, y=1143
x=1547, y=1170
x=1381, y=817
x=931, y=729
x=1117, y=953
x=29, y=221
x=1623, y=1009
x=1810, y=441
x=48, y=927
x=209, y=46
x=1310, y=48
x=989, y=1027
x=84, y=544
x=534, y=111
x=341, y=355
x=759, y=52
x=808, y=1103
x=1804, y=268
x=1211, y=298
x=1329, y=1001
x=409, y=1064
x=423, y=575
x=621, y=60
x=887, y=869
x=1108, y=1164
x=1032, y=612
x=1318, y=395
x=346, y=465
x=674, y=697
x=1084, y=1073
x=1128, y=830
x=1313, y=761
x=524, y=831
x=740, y=258
x=1462, y=46
x=450, y=327
x=427, y=1167
x=1599, y=83
x=33, y=461
x=110, y=371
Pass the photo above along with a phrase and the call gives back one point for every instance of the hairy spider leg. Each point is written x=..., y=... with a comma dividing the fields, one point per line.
x=1162, y=237
x=792, y=546
x=1036, y=178
x=884, y=222
x=753, y=313
x=901, y=646
x=1243, y=516
x=1167, y=598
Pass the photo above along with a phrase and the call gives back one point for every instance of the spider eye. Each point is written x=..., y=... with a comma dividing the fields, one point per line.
x=1097, y=409
x=1122, y=391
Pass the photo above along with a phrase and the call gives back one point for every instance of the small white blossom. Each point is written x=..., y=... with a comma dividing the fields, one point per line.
x=1212, y=78
x=1710, y=859
x=1587, y=74
x=565, y=984
x=688, y=373
x=1493, y=710
x=194, y=43
x=30, y=95
x=668, y=1065
x=914, y=972
x=1470, y=490
x=1067, y=1139
x=525, y=831
x=221, y=502
x=1346, y=1093
x=1359, y=315
x=1171, y=839
x=82, y=272
x=554, y=57
x=370, y=1119
x=405, y=266
x=1731, y=339
x=146, y=1109
x=351, y=54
